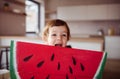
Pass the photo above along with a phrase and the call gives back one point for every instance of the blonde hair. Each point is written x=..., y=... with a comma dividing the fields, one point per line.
x=55, y=23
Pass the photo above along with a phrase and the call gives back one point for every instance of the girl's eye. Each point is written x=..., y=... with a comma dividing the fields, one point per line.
x=53, y=34
x=64, y=35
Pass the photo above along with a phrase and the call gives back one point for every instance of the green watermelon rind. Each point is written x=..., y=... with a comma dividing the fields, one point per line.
x=13, y=64
x=100, y=69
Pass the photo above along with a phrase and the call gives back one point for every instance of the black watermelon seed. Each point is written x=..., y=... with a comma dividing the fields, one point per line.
x=48, y=77
x=40, y=64
x=58, y=68
x=27, y=58
x=82, y=67
x=32, y=77
x=74, y=60
x=52, y=57
x=70, y=69
x=67, y=76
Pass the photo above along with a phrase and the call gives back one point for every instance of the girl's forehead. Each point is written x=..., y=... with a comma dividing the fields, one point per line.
x=58, y=28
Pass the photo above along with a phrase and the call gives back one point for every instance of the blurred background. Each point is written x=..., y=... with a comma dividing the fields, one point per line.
x=94, y=25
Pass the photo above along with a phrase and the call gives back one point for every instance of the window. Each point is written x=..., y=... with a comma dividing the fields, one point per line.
x=33, y=16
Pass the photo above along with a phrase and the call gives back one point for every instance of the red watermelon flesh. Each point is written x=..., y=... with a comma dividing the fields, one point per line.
x=36, y=61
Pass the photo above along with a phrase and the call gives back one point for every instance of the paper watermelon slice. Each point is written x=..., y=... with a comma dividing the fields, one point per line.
x=36, y=61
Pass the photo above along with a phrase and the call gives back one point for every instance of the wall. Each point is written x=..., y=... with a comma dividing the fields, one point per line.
x=92, y=27
x=10, y=23
x=53, y=4
x=112, y=46
x=85, y=27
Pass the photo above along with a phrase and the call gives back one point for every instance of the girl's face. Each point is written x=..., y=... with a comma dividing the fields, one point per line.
x=57, y=36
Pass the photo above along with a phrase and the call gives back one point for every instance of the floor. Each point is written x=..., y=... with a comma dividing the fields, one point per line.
x=112, y=69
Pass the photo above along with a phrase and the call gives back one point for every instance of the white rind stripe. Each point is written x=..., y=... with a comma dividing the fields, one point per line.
x=15, y=62
x=100, y=65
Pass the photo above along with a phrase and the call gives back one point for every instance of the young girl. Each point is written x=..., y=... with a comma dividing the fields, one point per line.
x=56, y=33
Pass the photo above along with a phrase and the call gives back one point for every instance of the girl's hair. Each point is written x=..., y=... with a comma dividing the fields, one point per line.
x=56, y=23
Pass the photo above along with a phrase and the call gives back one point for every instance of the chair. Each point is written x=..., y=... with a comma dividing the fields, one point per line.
x=4, y=49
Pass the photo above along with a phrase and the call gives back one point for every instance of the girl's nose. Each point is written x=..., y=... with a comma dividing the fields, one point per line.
x=59, y=37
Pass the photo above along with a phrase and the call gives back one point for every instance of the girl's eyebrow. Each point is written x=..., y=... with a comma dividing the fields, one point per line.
x=53, y=31
x=64, y=31
x=61, y=31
